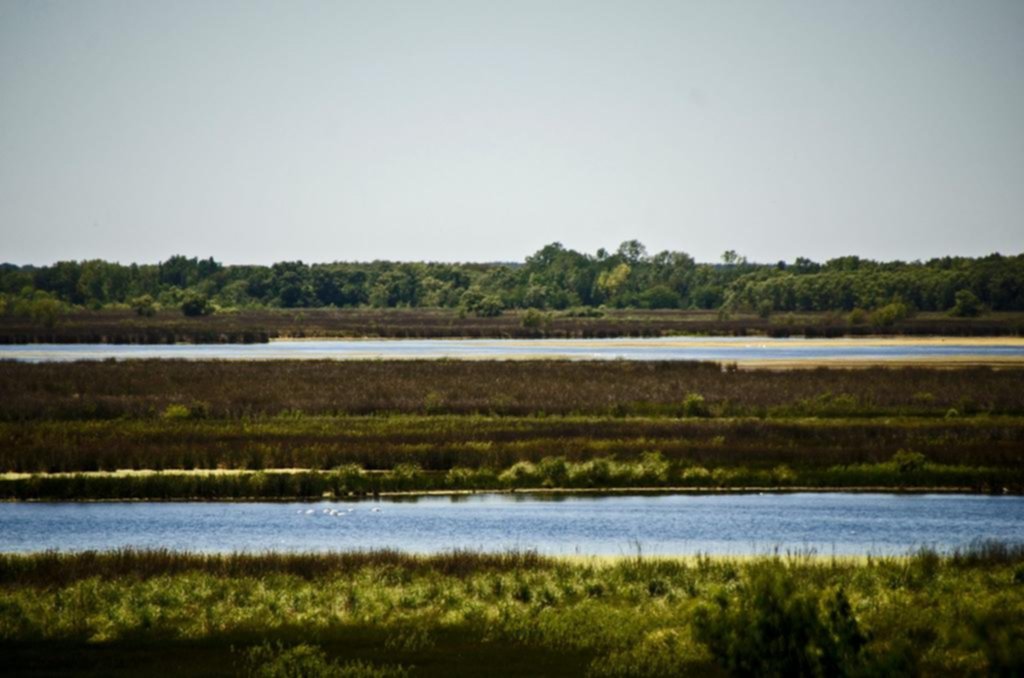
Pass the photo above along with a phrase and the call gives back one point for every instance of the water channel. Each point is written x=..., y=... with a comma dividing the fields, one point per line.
x=725, y=349
x=613, y=525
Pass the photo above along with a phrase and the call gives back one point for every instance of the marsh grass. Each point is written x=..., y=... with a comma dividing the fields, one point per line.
x=444, y=442
x=462, y=613
x=143, y=389
x=650, y=471
x=254, y=326
x=388, y=426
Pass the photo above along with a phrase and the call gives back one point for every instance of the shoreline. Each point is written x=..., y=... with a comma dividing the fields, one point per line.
x=541, y=492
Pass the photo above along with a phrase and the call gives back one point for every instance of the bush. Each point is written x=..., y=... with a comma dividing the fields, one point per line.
x=489, y=307
x=583, y=312
x=308, y=661
x=196, y=305
x=535, y=320
x=483, y=306
x=197, y=410
x=554, y=471
x=694, y=406
x=967, y=305
x=520, y=474
x=858, y=316
x=773, y=627
x=908, y=461
x=889, y=315
x=660, y=296
x=144, y=306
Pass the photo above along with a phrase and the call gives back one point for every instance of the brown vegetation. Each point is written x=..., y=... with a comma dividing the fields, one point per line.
x=219, y=389
x=255, y=326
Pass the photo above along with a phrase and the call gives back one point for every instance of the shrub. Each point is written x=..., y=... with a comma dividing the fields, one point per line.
x=144, y=305
x=783, y=475
x=890, y=314
x=519, y=474
x=459, y=477
x=406, y=476
x=196, y=305
x=694, y=406
x=908, y=461
x=308, y=661
x=662, y=652
x=660, y=296
x=175, y=411
x=858, y=316
x=196, y=410
x=697, y=475
x=433, y=402
x=653, y=468
x=583, y=312
x=966, y=305
x=42, y=309
x=774, y=627
x=484, y=306
x=554, y=471
x=489, y=307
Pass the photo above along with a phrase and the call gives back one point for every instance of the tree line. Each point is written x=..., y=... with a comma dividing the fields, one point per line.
x=553, y=278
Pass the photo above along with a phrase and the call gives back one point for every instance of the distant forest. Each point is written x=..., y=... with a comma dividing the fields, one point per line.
x=552, y=278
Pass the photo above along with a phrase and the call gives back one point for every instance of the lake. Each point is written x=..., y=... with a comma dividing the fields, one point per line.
x=723, y=349
x=827, y=523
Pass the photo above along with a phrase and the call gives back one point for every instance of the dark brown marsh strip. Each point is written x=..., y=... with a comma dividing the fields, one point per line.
x=256, y=326
x=198, y=389
x=441, y=442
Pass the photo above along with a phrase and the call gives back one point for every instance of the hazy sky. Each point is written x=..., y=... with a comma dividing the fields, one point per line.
x=482, y=130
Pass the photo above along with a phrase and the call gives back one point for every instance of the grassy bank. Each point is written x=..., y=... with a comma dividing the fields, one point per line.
x=906, y=471
x=132, y=613
x=255, y=326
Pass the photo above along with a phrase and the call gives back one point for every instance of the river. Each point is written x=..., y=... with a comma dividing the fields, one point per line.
x=724, y=349
x=826, y=523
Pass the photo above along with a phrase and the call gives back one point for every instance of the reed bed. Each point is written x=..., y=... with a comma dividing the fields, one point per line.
x=442, y=442
x=219, y=389
x=261, y=325
x=510, y=614
x=443, y=425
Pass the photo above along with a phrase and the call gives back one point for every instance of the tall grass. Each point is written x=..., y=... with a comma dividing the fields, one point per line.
x=250, y=326
x=443, y=442
x=146, y=389
x=652, y=470
x=777, y=615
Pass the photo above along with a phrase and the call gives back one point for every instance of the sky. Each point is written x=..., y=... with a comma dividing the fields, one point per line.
x=480, y=130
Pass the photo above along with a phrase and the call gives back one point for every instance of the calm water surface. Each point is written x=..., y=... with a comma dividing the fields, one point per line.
x=676, y=348
x=605, y=525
